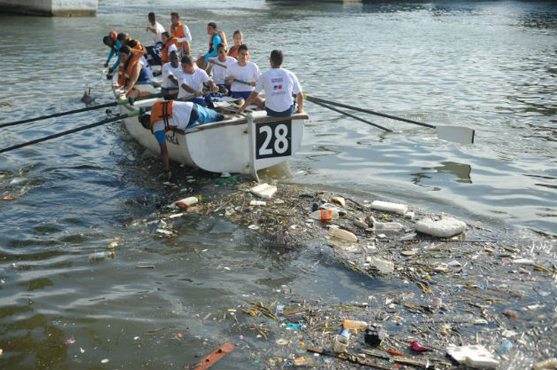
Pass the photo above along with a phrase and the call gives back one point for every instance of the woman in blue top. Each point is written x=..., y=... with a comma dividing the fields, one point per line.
x=217, y=38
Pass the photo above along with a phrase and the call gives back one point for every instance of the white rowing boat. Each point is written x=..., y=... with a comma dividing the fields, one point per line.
x=243, y=144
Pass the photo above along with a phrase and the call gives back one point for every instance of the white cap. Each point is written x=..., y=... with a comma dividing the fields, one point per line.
x=172, y=48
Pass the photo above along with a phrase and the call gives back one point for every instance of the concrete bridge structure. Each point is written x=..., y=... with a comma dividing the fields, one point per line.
x=62, y=8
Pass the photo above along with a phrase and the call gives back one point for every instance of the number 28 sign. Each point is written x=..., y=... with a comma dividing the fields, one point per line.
x=273, y=139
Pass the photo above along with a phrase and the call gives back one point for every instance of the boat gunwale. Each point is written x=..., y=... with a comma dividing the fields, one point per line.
x=230, y=122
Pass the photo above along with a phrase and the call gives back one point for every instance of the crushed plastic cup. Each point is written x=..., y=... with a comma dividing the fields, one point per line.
x=341, y=341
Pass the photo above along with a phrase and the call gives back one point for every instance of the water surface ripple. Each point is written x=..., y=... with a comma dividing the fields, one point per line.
x=487, y=65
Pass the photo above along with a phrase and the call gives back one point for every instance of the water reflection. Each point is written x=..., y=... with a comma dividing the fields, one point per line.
x=32, y=342
x=460, y=170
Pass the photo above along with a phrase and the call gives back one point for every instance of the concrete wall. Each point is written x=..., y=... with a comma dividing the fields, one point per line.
x=63, y=8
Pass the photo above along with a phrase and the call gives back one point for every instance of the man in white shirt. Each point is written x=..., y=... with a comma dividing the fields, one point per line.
x=157, y=29
x=171, y=115
x=279, y=85
x=192, y=81
x=242, y=76
x=171, y=74
x=218, y=67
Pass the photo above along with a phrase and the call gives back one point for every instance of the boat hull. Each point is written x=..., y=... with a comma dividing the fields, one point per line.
x=241, y=145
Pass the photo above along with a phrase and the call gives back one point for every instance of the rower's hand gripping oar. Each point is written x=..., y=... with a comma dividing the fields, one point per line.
x=463, y=135
x=133, y=113
x=119, y=102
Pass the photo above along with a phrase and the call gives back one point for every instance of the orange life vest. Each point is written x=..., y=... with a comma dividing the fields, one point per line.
x=135, y=45
x=125, y=73
x=233, y=52
x=165, y=58
x=113, y=35
x=178, y=32
x=162, y=111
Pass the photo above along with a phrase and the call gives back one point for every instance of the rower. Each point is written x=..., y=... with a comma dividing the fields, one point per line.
x=242, y=77
x=238, y=40
x=279, y=85
x=171, y=115
x=168, y=41
x=171, y=73
x=133, y=71
x=192, y=81
x=219, y=70
x=112, y=42
x=181, y=32
x=217, y=38
x=126, y=40
x=157, y=29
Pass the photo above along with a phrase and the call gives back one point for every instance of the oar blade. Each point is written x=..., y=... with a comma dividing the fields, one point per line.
x=457, y=134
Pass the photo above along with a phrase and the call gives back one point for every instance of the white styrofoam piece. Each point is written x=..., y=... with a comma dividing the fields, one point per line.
x=475, y=356
x=265, y=190
x=444, y=228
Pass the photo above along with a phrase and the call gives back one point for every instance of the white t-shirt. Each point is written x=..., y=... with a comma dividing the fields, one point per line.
x=218, y=72
x=279, y=85
x=181, y=113
x=168, y=70
x=194, y=80
x=160, y=30
x=247, y=73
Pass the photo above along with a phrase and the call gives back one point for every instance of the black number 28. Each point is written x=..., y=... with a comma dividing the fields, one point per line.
x=273, y=140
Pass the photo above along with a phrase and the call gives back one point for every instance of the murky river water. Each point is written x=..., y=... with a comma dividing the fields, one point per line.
x=490, y=66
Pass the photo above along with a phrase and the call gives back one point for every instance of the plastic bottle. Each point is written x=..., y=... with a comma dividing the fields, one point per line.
x=354, y=324
x=187, y=202
x=98, y=256
x=345, y=235
x=324, y=214
x=546, y=365
x=385, y=226
x=389, y=207
x=341, y=341
x=505, y=347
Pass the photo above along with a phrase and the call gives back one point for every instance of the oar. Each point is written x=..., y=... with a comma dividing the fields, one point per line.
x=218, y=64
x=225, y=66
x=463, y=135
x=119, y=102
x=347, y=114
x=132, y=113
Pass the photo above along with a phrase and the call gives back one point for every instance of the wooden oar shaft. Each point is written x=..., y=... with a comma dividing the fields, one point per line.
x=242, y=82
x=86, y=109
x=225, y=66
x=58, y=114
x=67, y=132
x=218, y=64
x=347, y=114
x=370, y=112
